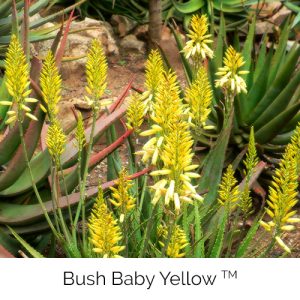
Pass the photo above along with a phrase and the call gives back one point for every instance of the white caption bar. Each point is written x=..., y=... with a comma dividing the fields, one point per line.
x=252, y=279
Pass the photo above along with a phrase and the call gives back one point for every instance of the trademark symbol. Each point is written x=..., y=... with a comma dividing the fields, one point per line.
x=227, y=274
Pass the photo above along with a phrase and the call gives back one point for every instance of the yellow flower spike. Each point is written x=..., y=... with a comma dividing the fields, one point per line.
x=56, y=141
x=250, y=162
x=197, y=47
x=228, y=190
x=177, y=157
x=121, y=197
x=51, y=85
x=283, y=195
x=154, y=75
x=167, y=109
x=80, y=134
x=230, y=78
x=199, y=97
x=251, y=156
x=105, y=233
x=17, y=78
x=178, y=241
x=135, y=112
x=96, y=74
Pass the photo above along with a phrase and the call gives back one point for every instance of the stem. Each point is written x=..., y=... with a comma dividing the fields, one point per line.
x=79, y=204
x=83, y=183
x=33, y=183
x=66, y=194
x=54, y=204
x=57, y=193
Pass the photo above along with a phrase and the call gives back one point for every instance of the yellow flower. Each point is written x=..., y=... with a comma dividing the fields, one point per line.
x=154, y=76
x=96, y=74
x=282, y=244
x=283, y=196
x=197, y=47
x=250, y=162
x=105, y=233
x=177, y=168
x=199, y=97
x=167, y=109
x=230, y=78
x=56, y=141
x=135, y=112
x=178, y=241
x=229, y=190
x=51, y=85
x=251, y=156
x=17, y=82
x=121, y=197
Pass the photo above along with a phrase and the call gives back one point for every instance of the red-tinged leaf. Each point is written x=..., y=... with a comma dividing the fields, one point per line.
x=25, y=29
x=109, y=149
x=61, y=50
x=259, y=190
x=14, y=14
x=56, y=40
x=5, y=253
x=122, y=96
x=14, y=214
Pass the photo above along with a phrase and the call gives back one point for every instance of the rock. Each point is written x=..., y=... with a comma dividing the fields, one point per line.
x=130, y=42
x=80, y=104
x=141, y=32
x=266, y=9
x=263, y=27
x=122, y=25
x=166, y=33
x=78, y=44
x=280, y=16
x=275, y=20
x=66, y=114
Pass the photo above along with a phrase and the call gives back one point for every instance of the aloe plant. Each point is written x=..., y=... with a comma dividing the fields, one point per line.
x=17, y=200
x=272, y=103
